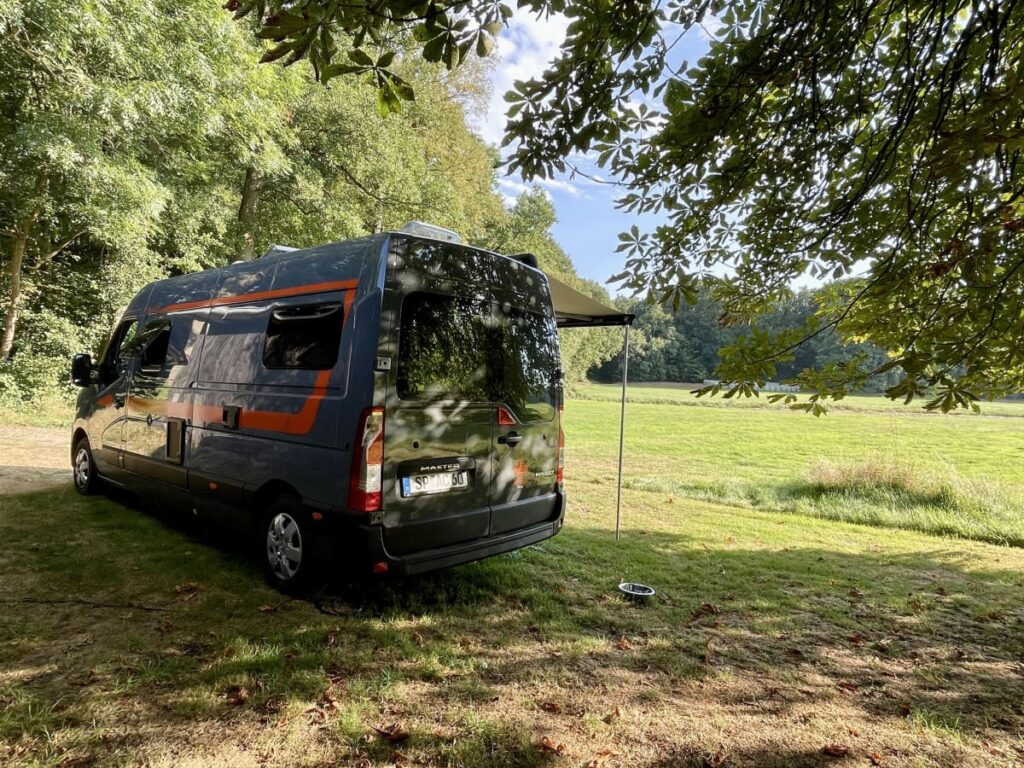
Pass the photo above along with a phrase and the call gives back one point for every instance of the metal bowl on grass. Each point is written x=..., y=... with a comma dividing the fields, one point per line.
x=637, y=593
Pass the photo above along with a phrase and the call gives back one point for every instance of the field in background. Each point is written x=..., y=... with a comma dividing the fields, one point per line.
x=869, y=461
x=671, y=393
x=134, y=637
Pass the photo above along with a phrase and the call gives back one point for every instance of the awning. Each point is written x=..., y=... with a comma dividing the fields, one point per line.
x=577, y=310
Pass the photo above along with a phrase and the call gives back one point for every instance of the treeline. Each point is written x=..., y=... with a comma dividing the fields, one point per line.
x=143, y=138
x=684, y=346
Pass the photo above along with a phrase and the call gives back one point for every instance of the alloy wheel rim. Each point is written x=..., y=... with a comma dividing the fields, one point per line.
x=284, y=546
x=82, y=468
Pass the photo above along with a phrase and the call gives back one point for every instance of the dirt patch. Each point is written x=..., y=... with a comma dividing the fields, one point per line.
x=33, y=458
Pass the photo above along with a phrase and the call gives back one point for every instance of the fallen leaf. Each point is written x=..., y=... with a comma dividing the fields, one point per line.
x=623, y=644
x=705, y=609
x=854, y=592
x=395, y=733
x=875, y=758
x=331, y=639
x=229, y=652
x=904, y=709
x=550, y=706
x=835, y=750
x=417, y=638
x=602, y=758
x=236, y=695
x=547, y=745
x=858, y=638
x=612, y=716
x=266, y=609
x=77, y=761
x=273, y=705
x=847, y=687
x=187, y=590
x=717, y=760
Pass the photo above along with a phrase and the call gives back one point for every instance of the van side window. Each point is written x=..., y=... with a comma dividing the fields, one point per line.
x=150, y=346
x=305, y=337
x=443, y=348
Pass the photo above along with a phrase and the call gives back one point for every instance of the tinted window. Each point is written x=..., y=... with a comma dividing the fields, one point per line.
x=150, y=345
x=526, y=365
x=117, y=350
x=305, y=337
x=443, y=348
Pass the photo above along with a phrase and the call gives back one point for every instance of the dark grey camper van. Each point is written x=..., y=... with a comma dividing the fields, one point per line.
x=392, y=401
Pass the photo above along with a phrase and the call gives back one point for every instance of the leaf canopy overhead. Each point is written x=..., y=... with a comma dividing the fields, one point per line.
x=868, y=138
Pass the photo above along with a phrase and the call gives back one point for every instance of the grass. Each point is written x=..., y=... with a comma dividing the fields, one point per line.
x=129, y=637
x=958, y=475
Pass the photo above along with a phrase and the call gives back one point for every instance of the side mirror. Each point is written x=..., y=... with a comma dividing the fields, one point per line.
x=81, y=370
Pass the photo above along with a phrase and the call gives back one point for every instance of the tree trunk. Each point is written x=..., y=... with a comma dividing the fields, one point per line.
x=17, y=260
x=247, y=211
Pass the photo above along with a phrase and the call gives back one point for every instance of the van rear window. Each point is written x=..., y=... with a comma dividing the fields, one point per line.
x=526, y=365
x=462, y=348
x=443, y=348
x=305, y=337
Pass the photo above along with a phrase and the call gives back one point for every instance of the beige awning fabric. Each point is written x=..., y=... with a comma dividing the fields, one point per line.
x=577, y=310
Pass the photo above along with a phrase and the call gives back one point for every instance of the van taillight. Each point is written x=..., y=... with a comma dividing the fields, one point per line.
x=505, y=417
x=368, y=463
x=560, y=472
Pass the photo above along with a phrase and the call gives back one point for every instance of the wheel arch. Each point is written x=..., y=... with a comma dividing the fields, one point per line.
x=76, y=438
x=264, y=496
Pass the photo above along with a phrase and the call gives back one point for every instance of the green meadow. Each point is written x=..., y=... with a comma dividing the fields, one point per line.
x=784, y=632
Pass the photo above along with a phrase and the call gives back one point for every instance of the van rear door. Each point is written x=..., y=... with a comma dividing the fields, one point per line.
x=438, y=425
x=527, y=387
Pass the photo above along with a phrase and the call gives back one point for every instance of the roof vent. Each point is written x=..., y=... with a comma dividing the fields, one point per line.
x=420, y=229
x=278, y=250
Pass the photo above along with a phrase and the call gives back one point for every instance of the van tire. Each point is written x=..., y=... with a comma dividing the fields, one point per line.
x=286, y=546
x=83, y=467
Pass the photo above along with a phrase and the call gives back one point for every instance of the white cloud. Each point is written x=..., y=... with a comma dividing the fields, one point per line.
x=561, y=186
x=524, y=50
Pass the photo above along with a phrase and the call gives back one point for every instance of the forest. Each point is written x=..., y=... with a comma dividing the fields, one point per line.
x=144, y=139
x=685, y=345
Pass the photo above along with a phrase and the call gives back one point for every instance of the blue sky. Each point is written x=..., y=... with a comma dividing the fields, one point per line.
x=588, y=222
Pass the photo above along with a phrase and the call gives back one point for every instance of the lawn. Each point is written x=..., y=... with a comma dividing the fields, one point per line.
x=777, y=638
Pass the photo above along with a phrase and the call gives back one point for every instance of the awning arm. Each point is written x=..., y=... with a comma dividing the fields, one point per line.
x=622, y=429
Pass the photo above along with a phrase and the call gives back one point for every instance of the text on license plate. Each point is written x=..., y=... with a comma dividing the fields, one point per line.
x=438, y=482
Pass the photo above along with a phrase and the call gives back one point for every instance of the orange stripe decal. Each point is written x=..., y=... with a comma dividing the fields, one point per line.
x=201, y=415
x=279, y=293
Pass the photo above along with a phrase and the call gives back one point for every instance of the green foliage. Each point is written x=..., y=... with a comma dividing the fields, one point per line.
x=141, y=139
x=853, y=138
x=688, y=345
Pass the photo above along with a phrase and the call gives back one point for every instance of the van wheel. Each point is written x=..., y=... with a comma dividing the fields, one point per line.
x=87, y=481
x=287, y=546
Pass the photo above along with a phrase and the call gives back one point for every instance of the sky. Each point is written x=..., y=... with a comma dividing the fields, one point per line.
x=588, y=222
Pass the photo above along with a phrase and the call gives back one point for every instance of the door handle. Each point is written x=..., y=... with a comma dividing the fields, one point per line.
x=119, y=401
x=512, y=438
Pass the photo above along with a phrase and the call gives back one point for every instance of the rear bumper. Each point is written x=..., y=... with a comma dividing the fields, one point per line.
x=374, y=550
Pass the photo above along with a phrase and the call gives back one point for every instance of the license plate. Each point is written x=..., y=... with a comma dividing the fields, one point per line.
x=438, y=482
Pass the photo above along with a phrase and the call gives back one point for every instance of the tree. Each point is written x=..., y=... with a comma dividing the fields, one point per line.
x=872, y=138
x=527, y=229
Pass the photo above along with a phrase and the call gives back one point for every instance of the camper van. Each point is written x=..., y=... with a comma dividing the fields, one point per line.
x=392, y=403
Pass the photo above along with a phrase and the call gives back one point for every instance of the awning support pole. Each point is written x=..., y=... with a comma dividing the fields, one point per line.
x=622, y=430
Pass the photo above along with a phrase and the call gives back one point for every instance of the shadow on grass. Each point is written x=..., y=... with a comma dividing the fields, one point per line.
x=460, y=656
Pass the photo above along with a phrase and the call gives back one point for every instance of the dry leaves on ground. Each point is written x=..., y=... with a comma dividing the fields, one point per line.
x=395, y=733
x=547, y=745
